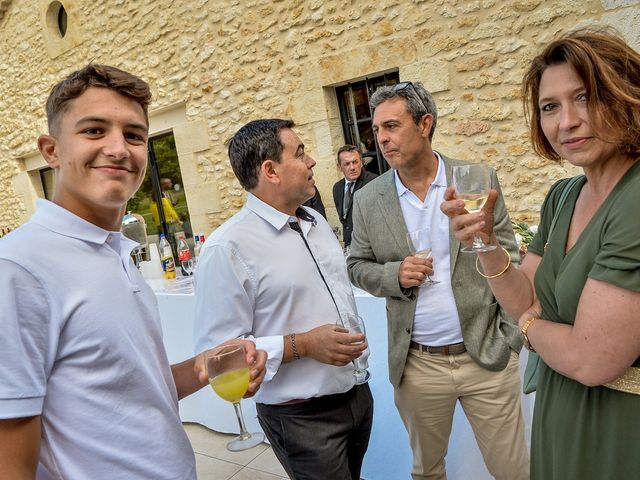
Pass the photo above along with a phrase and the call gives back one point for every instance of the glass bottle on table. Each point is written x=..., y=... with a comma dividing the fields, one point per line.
x=229, y=376
x=197, y=246
x=166, y=257
x=184, y=255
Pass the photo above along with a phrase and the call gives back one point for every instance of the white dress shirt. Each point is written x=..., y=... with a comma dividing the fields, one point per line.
x=436, y=322
x=255, y=278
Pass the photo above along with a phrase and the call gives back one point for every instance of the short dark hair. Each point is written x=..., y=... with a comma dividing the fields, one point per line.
x=414, y=106
x=348, y=148
x=610, y=70
x=254, y=143
x=95, y=75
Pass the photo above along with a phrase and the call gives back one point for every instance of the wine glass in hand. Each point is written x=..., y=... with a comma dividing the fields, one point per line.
x=229, y=376
x=354, y=324
x=420, y=245
x=472, y=184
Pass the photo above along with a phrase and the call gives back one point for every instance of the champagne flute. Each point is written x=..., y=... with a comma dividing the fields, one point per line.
x=229, y=377
x=472, y=184
x=420, y=245
x=354, y=324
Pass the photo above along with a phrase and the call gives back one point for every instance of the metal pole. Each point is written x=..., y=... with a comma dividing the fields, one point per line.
x=155, y=185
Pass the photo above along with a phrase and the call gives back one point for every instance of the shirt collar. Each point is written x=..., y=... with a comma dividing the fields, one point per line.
x=440, y=179
x=60, y=220
x=276, y=218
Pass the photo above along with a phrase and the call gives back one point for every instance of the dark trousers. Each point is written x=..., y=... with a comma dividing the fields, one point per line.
x=324, y=438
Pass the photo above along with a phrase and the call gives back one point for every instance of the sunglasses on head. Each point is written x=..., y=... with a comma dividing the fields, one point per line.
x=398, y=87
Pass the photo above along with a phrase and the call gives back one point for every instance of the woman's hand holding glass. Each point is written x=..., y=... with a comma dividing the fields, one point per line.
x=467, y=226
x=472, y=184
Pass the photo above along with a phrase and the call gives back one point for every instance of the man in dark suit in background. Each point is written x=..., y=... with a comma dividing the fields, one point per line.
x=315, y=202
x=355, y=177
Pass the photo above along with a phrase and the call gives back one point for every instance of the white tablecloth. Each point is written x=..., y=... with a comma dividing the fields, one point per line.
x=389, y=454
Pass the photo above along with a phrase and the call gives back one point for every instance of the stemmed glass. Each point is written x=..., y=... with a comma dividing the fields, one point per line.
x=420, y=245
x=472, y=184
x=229, y=377
x=354, y=324
x=188, y=266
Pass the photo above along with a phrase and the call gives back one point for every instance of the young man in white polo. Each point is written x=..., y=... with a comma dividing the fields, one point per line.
x=86, y=390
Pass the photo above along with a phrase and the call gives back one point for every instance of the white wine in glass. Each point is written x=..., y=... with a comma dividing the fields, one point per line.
x=354, y=324
x=472, y=184
x=419, y=242
x=229, y=376
x=473, y=202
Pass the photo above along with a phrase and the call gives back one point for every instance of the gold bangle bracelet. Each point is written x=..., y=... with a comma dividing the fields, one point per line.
x=497, y=274
x=525, y=333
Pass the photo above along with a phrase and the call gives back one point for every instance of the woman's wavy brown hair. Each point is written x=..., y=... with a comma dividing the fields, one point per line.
x=610, y=70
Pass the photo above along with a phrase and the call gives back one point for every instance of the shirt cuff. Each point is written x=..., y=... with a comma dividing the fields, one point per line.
x=274, y=346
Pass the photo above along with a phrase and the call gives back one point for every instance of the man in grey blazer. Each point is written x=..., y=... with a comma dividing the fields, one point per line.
x=450, y=341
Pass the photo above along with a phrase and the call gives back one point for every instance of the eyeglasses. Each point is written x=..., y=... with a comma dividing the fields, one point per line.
x=398, y=87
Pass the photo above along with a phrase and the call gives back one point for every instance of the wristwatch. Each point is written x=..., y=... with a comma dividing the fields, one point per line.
x=524, y=330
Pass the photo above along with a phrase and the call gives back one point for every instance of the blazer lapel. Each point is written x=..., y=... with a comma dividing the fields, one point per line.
x=340, y=197
x=454, y=244
x=389, y=207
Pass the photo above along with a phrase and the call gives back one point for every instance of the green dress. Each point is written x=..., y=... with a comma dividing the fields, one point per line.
x=582, y=432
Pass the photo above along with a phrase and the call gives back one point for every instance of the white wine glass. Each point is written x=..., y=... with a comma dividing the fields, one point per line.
x=419, y=242
x=472, y=184
x=229, y=376
x=354, y=324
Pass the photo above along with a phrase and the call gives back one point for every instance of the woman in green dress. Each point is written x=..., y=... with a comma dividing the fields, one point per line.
x=577, y=292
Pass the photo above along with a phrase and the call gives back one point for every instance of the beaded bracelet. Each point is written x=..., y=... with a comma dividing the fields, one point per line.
x=293, y=346
x=497, y=274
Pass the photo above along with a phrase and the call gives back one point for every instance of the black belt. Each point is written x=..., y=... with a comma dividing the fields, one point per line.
x=453, y=349
x=322, y=402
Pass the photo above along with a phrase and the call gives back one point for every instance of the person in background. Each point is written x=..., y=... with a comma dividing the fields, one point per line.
x=577, y=293
x=86, y=390
x=275, y=273
x=166, y=185
x=315, y=202
x=171, y=216
x=349, y=160
x=448, y=342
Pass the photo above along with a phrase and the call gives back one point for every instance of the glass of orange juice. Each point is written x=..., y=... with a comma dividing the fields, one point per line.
x=229, y=377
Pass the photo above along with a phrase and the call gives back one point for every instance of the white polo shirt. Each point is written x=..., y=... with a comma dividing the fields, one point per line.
x=81, y=345
x=436, y=321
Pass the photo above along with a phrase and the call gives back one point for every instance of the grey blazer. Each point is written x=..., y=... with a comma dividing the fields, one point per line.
x=378, y=246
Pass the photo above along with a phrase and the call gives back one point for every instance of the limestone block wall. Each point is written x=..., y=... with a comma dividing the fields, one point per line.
x=222, y=63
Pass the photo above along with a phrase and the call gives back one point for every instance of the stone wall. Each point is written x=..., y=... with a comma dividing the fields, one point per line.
x=225, y=62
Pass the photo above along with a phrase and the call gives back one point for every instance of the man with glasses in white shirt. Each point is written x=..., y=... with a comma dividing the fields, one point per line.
x=450, y=341
x=275, y=273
